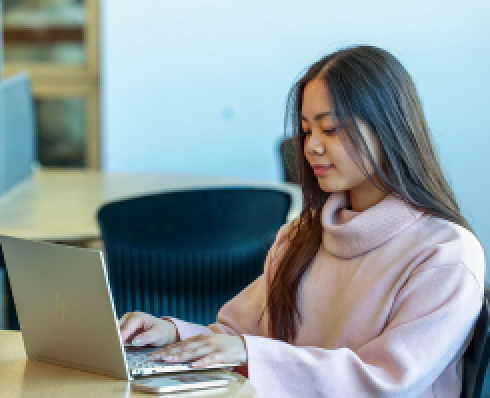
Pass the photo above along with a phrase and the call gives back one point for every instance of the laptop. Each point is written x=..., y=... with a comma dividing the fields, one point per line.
x=66, y=312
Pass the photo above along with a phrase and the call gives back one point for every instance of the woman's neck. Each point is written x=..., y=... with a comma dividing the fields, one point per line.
x=364, y=196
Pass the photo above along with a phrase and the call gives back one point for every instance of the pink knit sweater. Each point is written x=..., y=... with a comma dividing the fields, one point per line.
x=387, y=308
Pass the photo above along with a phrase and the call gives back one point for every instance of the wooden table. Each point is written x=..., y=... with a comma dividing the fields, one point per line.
x=56, y=205
x=24, y=378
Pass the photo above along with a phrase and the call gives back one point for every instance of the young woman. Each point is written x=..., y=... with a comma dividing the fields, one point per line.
x=374, y=291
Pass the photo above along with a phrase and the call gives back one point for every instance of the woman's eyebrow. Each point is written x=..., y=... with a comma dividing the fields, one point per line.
x=318, y=116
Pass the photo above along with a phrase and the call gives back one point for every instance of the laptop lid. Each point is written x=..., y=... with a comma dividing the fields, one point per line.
x=64, y=305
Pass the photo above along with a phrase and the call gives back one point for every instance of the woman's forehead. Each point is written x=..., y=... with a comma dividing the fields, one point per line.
x=316, y=101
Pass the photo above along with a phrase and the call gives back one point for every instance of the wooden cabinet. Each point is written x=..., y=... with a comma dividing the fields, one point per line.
x=57, y=43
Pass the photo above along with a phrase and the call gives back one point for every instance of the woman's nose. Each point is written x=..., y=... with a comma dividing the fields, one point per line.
x=314, y=146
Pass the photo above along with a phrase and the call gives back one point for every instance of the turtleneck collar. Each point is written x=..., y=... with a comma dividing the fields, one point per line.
x=349, y=234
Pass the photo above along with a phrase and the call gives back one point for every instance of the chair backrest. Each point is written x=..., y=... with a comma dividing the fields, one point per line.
x=17, y=133
x=477, y=356
x=288, y=160
x=186, y=253
x=8, y=314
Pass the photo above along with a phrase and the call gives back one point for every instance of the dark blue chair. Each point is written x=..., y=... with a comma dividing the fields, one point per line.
x=287, y=159
x=477, y=357
x=7, y=311
x=185, y=254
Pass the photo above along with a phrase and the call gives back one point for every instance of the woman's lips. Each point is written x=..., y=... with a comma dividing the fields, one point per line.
x=319, y=169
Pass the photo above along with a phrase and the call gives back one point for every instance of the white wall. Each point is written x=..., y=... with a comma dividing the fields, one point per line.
x=199, y=86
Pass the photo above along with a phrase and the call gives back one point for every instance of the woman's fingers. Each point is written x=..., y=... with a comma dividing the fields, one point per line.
x=211, y=359
x=142, y=329
x=130, y=324
x=181, y=351
x=205, y=350
x=123, y=319
x=149, y=337
x=161, y=333
x=190, y=354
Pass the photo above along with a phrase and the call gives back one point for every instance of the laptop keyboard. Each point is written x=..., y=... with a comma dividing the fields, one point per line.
x=140, y=363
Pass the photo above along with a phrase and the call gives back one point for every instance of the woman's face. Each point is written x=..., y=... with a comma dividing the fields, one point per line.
x=325, y=152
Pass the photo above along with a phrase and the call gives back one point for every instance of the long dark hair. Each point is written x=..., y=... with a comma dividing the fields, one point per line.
x=369, y=84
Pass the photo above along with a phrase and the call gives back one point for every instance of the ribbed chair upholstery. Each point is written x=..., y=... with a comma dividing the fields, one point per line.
x=7, y=311
x=184, y=254
x=288, y=160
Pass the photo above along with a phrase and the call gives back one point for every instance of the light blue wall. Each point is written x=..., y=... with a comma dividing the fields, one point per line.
x=18, y=144
x=199, y=86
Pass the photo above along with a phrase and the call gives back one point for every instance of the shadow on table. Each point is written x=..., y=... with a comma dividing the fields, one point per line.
x=42, y=379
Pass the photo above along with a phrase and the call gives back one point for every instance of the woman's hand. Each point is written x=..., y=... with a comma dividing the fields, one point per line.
x=142, y=329
x=205, y=350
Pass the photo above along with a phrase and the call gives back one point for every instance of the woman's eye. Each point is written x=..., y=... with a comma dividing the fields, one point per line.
x=330, y=131
x=304, y=133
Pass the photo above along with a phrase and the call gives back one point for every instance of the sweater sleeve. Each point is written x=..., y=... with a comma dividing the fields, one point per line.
x=431, y=321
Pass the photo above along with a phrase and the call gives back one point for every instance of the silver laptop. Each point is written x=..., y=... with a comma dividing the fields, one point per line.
x=66, y=313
